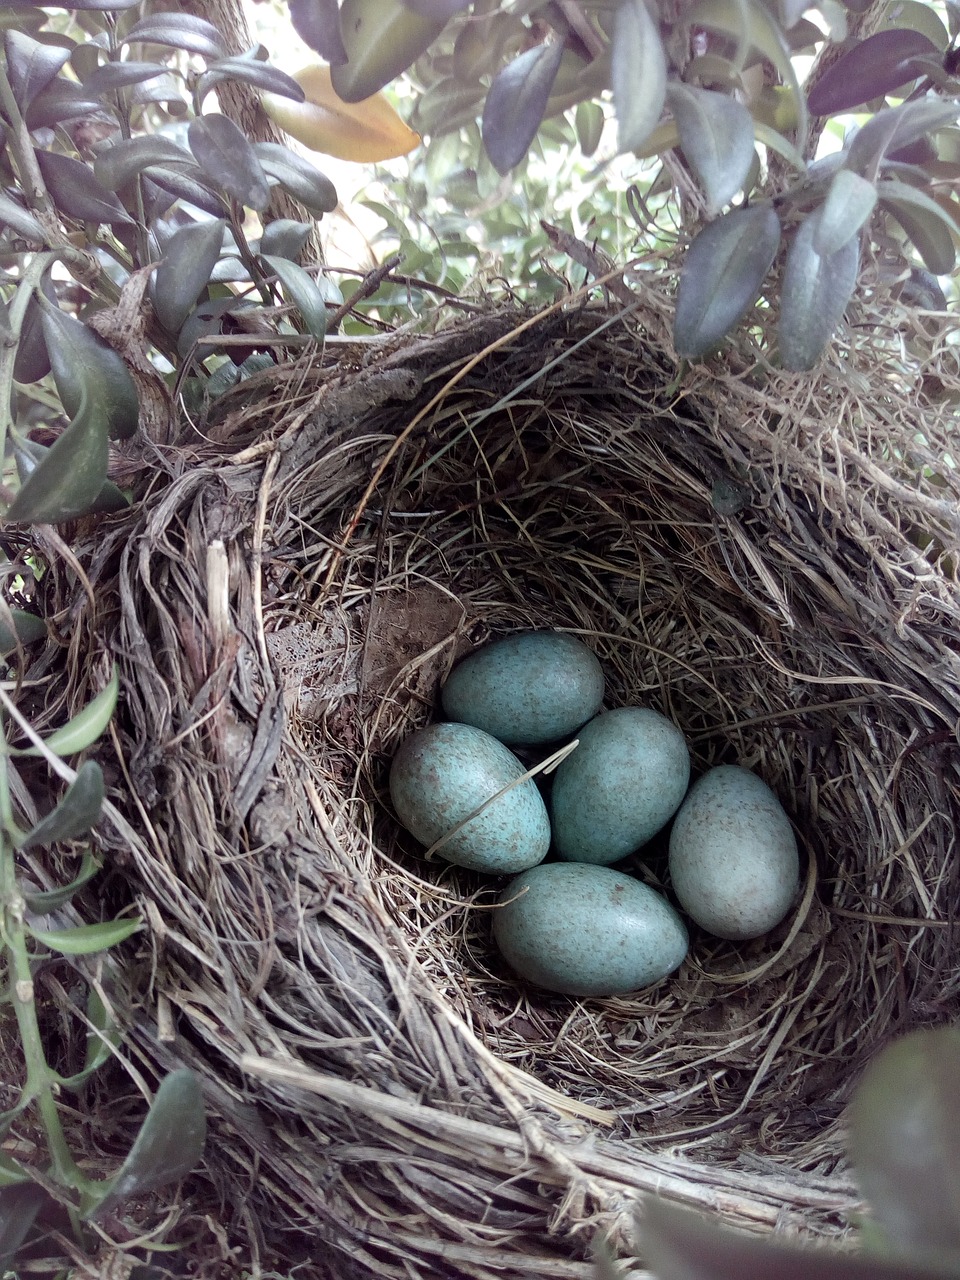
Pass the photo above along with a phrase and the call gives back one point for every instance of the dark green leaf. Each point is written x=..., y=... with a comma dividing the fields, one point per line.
x=873, y=67
x=849, y=203
x=681, y=1245
x=167, y=90
x=381, y=39
x=302, y=291
x=722, y=274
x=814, y=294
x=178, y=31
x=32, y=362
x=29, y=455
x=588, y=122
x=317, y=23
x=77, y=811
x=284, y=238
x=298, y=177
x=19, y=220
x=75, y=191
x=515, y=104
x=905, y=1139
x=120, y=164
x=922, y=290
x=181, y=186
x=71, y=475
x=189, y=257
x=27, y=628
x=86, y=367
x=229, y=160
x=170, y=1142
x=206, y=321
x=897, y=127
x=19, y=1207
x=260, y=74
x=44, y=901
x=930, y=227
x=31, y=65
x=84, y=939
x=83, y=729
x=716, y=134
x=118, y=75
x=11, y=1173
x=60, y=100
x=638, y=74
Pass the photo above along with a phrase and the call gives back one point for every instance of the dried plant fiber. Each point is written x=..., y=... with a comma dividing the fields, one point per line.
x=769, y=559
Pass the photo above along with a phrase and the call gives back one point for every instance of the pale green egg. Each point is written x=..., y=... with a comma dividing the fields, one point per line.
x=585, y=930
x=442, y=773
x=734, y=864
x=620, y=786
x=528, y=688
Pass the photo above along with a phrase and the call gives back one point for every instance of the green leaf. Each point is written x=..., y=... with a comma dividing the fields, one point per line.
x=300, y=289
x=681, y=1245
x=19, y=1206
x=88, y=372
x=722, y=274
x=229, y=160
x=11, y=1173
x=716, y=134
x=119, y=75
x=814, y=294
x=31, y=65
x=317, y=23
x=894, y=128
x=76, y=191
x=873, y=67
x=169, y=1145
x=381, y=38
x=189, y=257
x=588, y=122
x=120, y=164
x=930, y=227
x=77, y=811
x=515, y=104
x=32, y=362
x=83, y=729
x=298, y=177
x=166, y=186
x=284, y=238
x=849, y=203
x=29, y=455
x=70, y=477
x=85, y=939
x=19, y=220
x=638, y=74
x=27, y=628
x=249, y=70
x=61, y=100
x=178, y=31
x=46, y=900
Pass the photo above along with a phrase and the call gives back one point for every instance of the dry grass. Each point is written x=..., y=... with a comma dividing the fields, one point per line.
x=769, y=559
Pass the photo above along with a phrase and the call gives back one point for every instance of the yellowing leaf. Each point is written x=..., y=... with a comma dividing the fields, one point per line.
x=366, y=131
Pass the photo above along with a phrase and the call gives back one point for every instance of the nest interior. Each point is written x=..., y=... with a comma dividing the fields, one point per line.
x=770, y=560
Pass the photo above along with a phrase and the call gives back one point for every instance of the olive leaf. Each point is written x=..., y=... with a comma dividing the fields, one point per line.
x=178, y=31
x=317, y=23
x=78, y=193
x=814, y=294
x=300, y=289
x=298, y=177
x=588, y=121
x=75, y=814
x=225, y=156
x=515, y=104
x=721, y=277
x=716, y=134
x=189, y=257
x=169, y=1145
x=849, y=203
x=31, y=65
x=84, y=939
x=872, y=68
x=86, y=367
x=381, y=38
x=638, y=73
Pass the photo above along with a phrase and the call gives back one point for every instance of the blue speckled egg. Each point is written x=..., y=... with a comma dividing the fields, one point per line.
x=585, y=930
x=445, y=771
x=532, y=687
x=733, y=855
x=617, y=789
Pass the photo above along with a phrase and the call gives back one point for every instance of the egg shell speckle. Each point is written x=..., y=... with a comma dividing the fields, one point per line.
x=620, y=786
x=528, y=688
x=445, y=771
x=584, y=930
x=734, y=864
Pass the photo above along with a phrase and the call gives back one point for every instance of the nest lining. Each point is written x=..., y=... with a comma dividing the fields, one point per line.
x=771, y=561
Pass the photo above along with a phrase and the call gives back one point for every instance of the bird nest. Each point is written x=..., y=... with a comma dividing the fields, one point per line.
x=768, y=559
